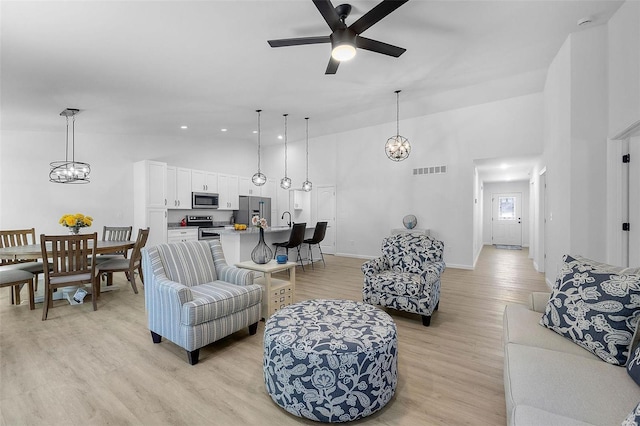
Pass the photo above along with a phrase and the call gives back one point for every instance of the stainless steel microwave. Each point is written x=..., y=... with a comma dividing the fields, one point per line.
x=203, y=200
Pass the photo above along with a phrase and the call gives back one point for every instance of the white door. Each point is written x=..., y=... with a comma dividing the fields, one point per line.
x=327, y=213
x=506, y=220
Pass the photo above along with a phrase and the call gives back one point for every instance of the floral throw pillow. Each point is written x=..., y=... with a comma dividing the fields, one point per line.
x=633, y=419
x=633, y=366
x=595, y=308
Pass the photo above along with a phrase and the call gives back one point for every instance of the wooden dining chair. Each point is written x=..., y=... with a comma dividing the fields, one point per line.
x=69, y=260
x=16, y=278
x=14, y=238
x=114, y=233
x=128, y=266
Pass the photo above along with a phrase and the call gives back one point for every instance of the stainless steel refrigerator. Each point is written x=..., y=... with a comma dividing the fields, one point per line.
x=252, y=206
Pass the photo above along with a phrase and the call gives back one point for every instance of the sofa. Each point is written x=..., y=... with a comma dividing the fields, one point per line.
x=193, y=298
x=407, y=275
x=549, y=379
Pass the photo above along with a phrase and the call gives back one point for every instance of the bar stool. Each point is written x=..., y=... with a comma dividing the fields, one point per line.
x=296, y=238
x=318, y=236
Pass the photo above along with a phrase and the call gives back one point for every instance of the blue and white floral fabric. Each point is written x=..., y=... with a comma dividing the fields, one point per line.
x=330, y=360
x=633, y=366
x=596, y=308
x=633, y=419
x=407, y=275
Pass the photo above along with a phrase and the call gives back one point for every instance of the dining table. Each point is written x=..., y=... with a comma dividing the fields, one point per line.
x=34, y=252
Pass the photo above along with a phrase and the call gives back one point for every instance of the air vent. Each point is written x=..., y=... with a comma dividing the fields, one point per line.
x=431, y=170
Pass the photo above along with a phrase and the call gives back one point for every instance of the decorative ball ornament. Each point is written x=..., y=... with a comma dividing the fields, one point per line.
x=410, y=221
x=397, y=148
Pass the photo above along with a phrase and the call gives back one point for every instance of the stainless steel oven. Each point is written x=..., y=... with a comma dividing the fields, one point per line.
x=207, y=228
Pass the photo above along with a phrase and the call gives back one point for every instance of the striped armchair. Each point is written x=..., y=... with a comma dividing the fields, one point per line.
x=194, y=298
x=407, y=275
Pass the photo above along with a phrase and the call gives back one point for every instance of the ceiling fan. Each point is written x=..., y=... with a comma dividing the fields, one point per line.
x=345, y=39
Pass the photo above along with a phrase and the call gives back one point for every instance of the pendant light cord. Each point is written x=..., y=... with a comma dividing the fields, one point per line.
x=307, y=118
x=73, y=139
x=285, y=145
x=66, y=148
x=258, y=111
x=397, y=112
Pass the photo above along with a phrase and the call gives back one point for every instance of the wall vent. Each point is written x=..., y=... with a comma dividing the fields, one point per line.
x=430, y=170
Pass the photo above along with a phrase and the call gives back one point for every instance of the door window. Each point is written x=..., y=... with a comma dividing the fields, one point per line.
x=506, y=208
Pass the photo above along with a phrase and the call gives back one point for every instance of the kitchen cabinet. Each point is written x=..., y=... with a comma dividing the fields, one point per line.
x=228, y=192
x=202, y=181
x=182, y=235
x=178, y=188
x=150, y=199
x=246, y=187
x=301, y=200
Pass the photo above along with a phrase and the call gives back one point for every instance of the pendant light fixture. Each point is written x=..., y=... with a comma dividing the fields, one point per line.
x=307, y=185
x=397, y=147
x=259, y=179
x=285, y=182
x=70, y=171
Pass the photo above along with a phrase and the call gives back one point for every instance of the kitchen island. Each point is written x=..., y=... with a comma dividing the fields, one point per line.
x=237, y=245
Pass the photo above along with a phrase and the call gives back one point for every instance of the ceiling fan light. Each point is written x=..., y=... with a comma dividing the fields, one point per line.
x=343, y=52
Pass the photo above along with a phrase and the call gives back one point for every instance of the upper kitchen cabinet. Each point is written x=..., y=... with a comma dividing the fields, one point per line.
x=178, y=188
x=202, y=181
x=246, y=187
x=228, y=195
x=150, y=183
x=301, y=200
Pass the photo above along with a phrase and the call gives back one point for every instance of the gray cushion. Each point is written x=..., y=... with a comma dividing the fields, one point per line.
x=525, y=415
x=568, y=385
x=9, y=276
x=218, y=299
x=521, y=326
x=114, y=263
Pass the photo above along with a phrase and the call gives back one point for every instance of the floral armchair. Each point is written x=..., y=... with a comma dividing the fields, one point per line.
x=407, y=275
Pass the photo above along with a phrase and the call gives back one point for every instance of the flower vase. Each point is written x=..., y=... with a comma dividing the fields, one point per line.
x=74, y=230
x=261, y=254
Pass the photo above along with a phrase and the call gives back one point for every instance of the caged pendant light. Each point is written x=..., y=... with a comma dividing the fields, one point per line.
x=307, y=185
x=70, y=171
x=285, y=182
x=258, y=179
x=397, y=147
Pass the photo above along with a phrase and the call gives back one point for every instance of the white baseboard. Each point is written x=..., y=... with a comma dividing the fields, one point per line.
x=456, y=266
x=357, y=256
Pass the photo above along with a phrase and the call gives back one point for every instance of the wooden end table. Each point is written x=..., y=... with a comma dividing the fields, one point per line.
x=277, y=293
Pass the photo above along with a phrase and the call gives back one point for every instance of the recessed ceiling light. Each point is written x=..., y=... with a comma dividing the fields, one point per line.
x=223, y=130
x=503, y=166
x=255, y=131
x=183, y=127
x=280, y=137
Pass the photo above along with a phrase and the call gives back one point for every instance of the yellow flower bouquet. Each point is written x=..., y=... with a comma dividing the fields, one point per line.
x=75, y=221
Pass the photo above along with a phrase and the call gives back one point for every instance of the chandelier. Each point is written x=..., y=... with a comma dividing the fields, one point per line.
x=285, y=182
x=397, y=147
x=70, y=171
x=258, y=179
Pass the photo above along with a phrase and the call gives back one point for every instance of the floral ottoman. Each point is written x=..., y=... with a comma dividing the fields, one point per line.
x=330, y=360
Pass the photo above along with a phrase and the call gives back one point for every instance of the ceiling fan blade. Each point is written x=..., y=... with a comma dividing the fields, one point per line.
x=329, y=14
x=381, y=10
x=298, y=41
x=379, y=47
x=332, y=68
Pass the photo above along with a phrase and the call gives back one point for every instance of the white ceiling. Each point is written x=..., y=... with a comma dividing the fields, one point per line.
x=144, y=67
x=506, y=169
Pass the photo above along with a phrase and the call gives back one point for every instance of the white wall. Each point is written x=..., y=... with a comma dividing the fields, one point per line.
x=28, y=199
x=374, y=193
x=624, y=67
x=493, y=188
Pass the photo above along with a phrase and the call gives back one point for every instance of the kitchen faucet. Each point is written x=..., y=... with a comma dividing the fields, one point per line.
x=289, y=220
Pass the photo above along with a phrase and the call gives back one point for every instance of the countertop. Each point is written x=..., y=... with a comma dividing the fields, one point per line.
x=255, y=230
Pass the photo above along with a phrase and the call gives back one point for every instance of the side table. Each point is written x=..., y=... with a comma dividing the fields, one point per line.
x=277, y=293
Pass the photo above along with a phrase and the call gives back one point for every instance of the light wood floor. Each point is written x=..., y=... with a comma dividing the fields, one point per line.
x=82, y=367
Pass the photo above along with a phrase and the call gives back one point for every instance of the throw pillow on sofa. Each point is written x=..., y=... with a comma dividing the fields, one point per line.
x=633, y=366
x=596, y=308
x=633, y=419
